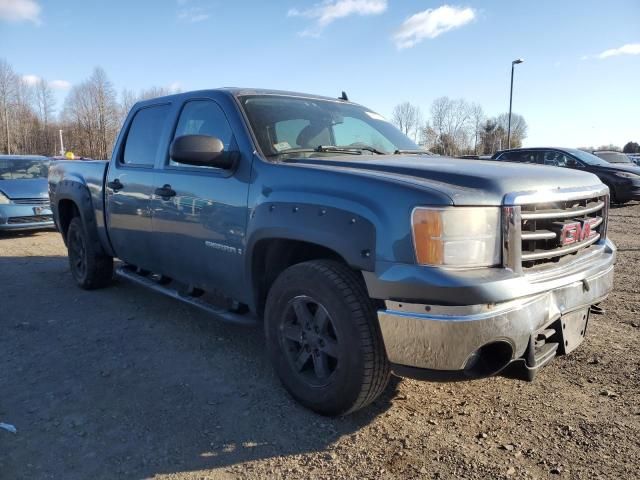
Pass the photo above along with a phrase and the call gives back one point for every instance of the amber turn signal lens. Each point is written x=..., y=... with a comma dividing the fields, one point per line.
x=427, y=236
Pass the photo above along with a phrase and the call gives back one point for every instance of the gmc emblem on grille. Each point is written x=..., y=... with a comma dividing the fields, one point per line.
x=575, y=232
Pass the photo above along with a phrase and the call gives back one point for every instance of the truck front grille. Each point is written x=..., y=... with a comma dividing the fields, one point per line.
x=553, y=230
x=545, y=228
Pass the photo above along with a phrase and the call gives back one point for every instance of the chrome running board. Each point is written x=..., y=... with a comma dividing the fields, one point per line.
x=220, y=313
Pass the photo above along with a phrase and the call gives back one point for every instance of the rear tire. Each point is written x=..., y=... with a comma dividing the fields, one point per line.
x=90, y=269
x=324, y=339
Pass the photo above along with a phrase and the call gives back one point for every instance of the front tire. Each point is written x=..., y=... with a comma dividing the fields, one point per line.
x=89, y=269
x=323, y=338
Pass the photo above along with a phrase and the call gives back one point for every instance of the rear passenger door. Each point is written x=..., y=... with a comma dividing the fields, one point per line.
x=130, y=185
x=199, y=230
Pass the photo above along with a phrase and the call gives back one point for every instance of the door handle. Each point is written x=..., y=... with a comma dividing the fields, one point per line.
x=166, y=192
x=115, y=185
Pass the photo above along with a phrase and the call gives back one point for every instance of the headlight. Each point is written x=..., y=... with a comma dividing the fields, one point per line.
x=457, y=236
x=3, y=199
x=626, y=175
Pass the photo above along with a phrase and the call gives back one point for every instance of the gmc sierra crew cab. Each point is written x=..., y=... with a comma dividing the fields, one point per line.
x=361, y=253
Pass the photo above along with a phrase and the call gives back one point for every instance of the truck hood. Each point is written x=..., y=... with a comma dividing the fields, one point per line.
x=25, y=188
x=466, y=182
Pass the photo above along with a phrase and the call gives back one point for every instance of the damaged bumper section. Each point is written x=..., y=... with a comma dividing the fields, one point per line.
x=513, y=338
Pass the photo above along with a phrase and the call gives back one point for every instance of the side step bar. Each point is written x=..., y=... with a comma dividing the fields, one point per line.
x=219, y=313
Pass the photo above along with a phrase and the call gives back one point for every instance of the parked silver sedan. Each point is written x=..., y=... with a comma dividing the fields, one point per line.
x=24, y=195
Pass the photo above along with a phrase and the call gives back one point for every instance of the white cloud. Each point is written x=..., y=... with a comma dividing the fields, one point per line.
x=193, y=15
x=175, y=86
x=20, y=11
x=30, y=79
x=628, y=49
x=60, y=84
x=55, y=84
x=328, y=11
x=431, y=23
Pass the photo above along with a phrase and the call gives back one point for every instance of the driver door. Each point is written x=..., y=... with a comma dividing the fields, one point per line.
x=199, y=230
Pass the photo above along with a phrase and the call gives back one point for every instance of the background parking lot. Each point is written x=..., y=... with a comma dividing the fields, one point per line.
x=124, y=383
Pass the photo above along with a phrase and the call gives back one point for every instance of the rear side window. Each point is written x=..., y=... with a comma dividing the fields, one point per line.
x=144, y=136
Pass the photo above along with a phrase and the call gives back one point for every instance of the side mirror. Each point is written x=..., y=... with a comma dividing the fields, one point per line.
x=201, y=151
x=571, y=162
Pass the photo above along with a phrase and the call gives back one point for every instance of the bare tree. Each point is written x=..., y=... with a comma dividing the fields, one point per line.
x=407, y=118
x=45, y=105
x=93, y=116
x=103, y=98
x=8, y=81
x=450, y=125
x=519, y=129
x=477, y=117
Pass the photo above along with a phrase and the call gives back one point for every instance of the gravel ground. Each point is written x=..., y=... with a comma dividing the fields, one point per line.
x=124, y=383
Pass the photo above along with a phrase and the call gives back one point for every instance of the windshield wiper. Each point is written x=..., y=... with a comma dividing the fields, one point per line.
x=412, y=152
x=349, y=149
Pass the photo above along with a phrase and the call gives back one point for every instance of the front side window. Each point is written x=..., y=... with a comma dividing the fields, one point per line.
x=144, y=136
x=204, y=117
x=285, y=124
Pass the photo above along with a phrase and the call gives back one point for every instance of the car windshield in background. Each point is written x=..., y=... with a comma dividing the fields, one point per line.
x=614, y=157
x=588, y=158
x=286, y=125
x=16, y=169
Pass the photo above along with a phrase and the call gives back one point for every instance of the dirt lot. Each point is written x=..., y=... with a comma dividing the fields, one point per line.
x=124, y=383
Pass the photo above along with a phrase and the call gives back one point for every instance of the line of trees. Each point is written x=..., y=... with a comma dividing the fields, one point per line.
x=90, y=117
x=457, y=127
x=92, y=113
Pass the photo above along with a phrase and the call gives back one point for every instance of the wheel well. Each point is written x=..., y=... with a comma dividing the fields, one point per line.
x=67, y=210
x=272, y=256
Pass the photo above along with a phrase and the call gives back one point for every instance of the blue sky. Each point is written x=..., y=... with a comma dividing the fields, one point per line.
x=382, y=52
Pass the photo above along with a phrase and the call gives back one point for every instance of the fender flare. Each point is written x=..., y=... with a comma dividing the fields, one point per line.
x=80, y=195
x=351, y=236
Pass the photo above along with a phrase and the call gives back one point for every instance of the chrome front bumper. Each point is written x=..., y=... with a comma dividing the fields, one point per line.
x=444, y=338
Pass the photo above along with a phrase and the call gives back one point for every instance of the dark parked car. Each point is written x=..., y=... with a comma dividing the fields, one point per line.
x=622, y=178
x=362, y=253
x=24, y=193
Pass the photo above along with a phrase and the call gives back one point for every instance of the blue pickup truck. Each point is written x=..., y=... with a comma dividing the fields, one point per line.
x=361, y=253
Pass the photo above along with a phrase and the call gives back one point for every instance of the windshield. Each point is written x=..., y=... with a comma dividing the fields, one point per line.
x=18, y=168
x=614, y=157
x=312, y=127
x=588, y=158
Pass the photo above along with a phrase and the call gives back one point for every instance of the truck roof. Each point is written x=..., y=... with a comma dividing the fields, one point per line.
x=240, y=92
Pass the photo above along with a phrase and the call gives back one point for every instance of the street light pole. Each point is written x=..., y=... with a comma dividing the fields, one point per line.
x=513, y=64
x=61, y=144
